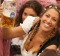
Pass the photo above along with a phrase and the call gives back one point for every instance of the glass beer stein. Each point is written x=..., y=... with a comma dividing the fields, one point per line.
x=9, y=13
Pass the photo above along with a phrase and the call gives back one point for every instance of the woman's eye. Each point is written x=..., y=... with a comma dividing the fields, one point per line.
x=47, y=15
x=25, y=14
x=54, y=19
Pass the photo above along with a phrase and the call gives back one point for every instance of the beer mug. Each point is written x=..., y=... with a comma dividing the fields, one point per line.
x=9, y=13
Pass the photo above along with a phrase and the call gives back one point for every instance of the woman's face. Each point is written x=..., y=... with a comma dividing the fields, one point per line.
x=49, y=20
x=28, y=12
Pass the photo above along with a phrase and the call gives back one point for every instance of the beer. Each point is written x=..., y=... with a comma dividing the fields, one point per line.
x=9, y=13
x=7, y=21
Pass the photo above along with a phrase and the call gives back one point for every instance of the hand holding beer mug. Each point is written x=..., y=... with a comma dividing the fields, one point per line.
x=9, y=13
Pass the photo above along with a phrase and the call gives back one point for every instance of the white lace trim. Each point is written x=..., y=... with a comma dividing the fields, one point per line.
x=27, y=24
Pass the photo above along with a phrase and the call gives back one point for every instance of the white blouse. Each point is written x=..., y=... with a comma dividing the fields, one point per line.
x=27, y=24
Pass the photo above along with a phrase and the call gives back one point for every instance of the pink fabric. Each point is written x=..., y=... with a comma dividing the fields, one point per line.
x=4, y=45
x=44, y=3
x=1, y=42
x=47, y=2
x=19, y=3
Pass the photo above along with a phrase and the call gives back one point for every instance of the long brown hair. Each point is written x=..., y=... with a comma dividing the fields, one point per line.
x=32, y=33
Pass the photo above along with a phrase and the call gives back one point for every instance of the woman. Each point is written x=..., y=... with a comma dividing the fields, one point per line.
x=54, y=41
x=43, y=30
x=30, y=8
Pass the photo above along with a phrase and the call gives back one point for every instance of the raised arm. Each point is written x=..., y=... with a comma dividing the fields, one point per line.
x=20, y=30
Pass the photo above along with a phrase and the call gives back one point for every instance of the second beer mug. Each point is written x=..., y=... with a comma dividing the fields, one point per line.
x=9, y=13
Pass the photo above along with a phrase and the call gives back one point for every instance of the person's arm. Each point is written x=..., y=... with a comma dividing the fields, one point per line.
x=20, y=30
x=12, y=32
x=54, y=47
x=48, y=52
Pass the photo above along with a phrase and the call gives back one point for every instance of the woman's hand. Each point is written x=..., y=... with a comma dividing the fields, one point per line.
x=20, y=30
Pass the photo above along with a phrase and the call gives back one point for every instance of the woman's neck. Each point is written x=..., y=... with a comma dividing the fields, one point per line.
x=43, y=34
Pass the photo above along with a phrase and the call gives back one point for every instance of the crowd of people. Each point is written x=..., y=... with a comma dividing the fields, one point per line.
x=36, y=31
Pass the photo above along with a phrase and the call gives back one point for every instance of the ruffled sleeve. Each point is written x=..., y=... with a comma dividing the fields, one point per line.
x=27, y=24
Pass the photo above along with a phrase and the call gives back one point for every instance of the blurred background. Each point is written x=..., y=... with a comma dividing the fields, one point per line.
x=58, y=2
